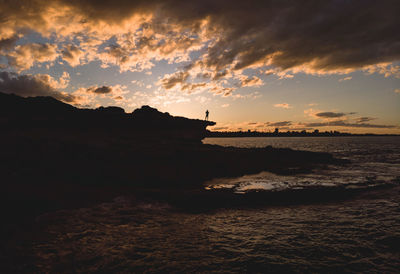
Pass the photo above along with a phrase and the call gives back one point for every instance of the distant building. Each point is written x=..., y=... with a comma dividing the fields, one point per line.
x=276, y=130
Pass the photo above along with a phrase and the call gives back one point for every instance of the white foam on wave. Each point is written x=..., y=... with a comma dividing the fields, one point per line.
x=352, y=176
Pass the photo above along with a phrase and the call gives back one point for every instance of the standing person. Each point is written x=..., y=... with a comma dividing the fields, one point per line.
x=207, y=115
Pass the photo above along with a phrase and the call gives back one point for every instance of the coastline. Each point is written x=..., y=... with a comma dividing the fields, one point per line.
x=239, y=134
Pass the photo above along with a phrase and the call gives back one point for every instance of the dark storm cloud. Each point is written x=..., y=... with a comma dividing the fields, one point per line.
x=315, y=36
x=331, y=34
x=346, y=124
x=279, y=124
x=100, y=90
x=28, y=85
x=330, y=114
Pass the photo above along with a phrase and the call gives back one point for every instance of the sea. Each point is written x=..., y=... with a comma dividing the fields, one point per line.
x=359, y=233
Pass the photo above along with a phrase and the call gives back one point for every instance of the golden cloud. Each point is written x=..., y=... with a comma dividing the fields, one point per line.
x=24, y=56
x=72, y=54
x=316, y=37
x=283, y=105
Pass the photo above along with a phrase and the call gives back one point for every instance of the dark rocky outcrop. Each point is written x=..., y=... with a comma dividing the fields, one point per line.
x=146, y=123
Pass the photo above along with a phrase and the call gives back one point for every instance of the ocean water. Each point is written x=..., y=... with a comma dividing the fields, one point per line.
x=358, y=234
x=374, y=161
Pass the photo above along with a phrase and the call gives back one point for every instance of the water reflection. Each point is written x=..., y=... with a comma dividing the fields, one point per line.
x=373, y=162
x=130, y=235
x=126, y=237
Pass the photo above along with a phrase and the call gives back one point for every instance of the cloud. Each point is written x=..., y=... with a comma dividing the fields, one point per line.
x=125, y=58
x=72, y=54
x=24, y=56
x=282, y=34
x=138, y=50
x=63, y=82
x=138, y=82
x=105, y=95
x=171, y=80
x=279, y=124
x=180, y=81
x=220, y=128
x=387, y=69
x=282, y=74
x=246, y=81
x=341, y=119
x=224, y=91
x=190, y=87
x=342, y=123
x=226, y=37
x=8, y=43
x=26, y=85
x=283, y=105
x=225, y=105
x=116, y=91
x=330, y=114
x=315, y=37
x=364, y=119
x=37, y=85
x=345, y=79
x=100, y=90
x=299, y=126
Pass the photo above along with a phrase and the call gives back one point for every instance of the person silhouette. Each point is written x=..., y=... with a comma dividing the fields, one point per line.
x=207, y=115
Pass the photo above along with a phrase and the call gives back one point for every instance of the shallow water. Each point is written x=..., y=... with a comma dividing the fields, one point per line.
x=374, y=161
x=361, y=234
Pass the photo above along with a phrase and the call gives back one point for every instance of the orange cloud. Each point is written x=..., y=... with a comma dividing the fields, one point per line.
x=345, y=79
x=171, y=80
x=283, y=105
x=24, y=56
x=246, y=81
x=73, y=55
x=232, y=36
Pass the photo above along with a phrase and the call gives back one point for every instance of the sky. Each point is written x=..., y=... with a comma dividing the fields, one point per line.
x=255, y=65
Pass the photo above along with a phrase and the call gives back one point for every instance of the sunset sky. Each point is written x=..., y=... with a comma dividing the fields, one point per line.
x=327, y=65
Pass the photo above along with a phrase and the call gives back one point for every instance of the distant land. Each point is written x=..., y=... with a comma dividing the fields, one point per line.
x=277, y=133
